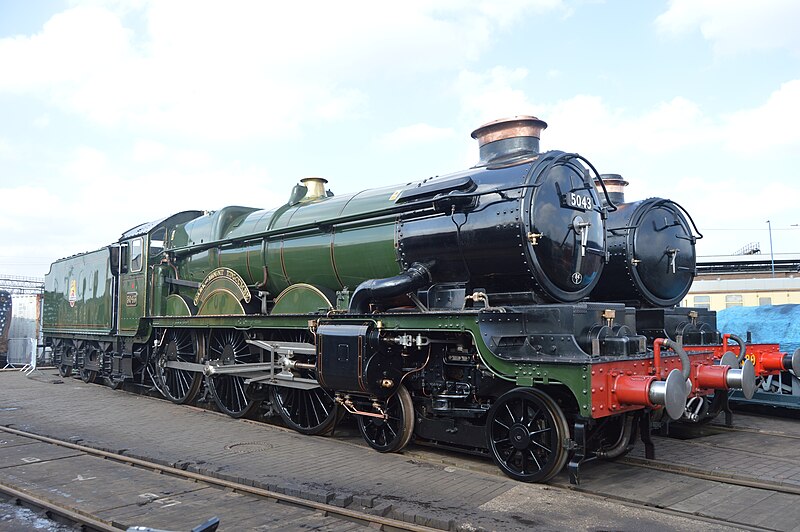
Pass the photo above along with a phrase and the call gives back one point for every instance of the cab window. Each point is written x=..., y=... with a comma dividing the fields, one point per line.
x=136, y=255
x=157, y=242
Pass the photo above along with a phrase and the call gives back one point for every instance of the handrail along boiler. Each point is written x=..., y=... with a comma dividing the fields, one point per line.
x=453, y=310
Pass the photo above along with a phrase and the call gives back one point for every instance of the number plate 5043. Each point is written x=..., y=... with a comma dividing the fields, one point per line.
x=579, y=201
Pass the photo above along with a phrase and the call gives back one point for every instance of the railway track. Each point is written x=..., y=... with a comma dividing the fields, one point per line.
x=61, y=504
x=347, y=518
x=485, y=465
x=625, y=482
x=659, y=473
x=656, y=465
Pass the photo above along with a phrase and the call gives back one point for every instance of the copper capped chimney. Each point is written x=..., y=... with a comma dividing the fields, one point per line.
x=315, y=186
x=615, y=186
x=506, y=139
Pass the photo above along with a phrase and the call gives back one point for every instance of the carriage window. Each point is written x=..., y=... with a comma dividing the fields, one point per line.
x=702, y=302
x=765, y=301
x=136, y=255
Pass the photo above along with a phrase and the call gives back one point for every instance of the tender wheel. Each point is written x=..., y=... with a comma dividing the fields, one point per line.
x=393, y=433
x=66, y=358
x=178, y=385
x=306, y=411
x=526, y=430
x=88, y=376
x=229, y=347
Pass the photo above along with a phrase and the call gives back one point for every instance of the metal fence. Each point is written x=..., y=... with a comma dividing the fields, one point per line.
x=23, y=354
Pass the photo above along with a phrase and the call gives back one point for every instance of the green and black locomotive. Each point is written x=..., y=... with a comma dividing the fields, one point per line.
x=454, y=310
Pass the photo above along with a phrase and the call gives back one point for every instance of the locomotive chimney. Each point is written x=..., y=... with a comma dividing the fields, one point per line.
x=315, y=186
x=508, y=138
x=615, y=186
x=310, y=188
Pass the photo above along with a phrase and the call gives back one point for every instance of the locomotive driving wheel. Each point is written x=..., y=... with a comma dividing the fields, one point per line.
x=311, y=411
x=229, y=347
x=306, y=411
x=178, y=345
x=526, y=430
x=392, y=432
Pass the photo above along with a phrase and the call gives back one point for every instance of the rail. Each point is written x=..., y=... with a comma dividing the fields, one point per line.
x=345, y=513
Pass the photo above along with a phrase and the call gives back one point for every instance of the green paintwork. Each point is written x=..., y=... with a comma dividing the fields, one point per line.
x=574, y=377
x=301, y=299
x=178, y=306
x=91, y=309
x=309, y=242
x=220, y=302
x=365, y=253
x=223, y=291
x=132, y=300
x=247, y=259
x=307, y=259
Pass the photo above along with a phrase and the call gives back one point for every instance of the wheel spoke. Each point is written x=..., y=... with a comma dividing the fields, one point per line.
x=528, y=448
x=510, y=413
x=536, y=443
x=538, y=465
x=497, y=421
x=229, y=347
x=394, y=432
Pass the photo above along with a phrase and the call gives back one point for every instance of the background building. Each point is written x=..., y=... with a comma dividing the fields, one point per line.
x=745, y=280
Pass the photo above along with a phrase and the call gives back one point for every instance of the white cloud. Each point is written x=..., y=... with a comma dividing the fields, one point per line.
x=146, y=151
x=734, y=26
x=583, y=122
x=491, y=95
x=403, y=137
x=247, y=68
x=588, y=124
x=771, y=125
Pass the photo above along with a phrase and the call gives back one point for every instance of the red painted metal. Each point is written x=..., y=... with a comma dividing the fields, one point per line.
x=605, y=385
x=633, y=389
x=767, y=358
x=713, y=377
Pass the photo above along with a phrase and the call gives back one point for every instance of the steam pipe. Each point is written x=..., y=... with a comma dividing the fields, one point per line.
x=621, y=444
x=741, y=346
x=686, y=365
x=416, y=276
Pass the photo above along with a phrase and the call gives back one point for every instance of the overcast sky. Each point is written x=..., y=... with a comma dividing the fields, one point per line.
x=120, y=112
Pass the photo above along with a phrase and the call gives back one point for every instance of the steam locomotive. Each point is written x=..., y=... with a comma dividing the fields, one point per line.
x=471, y=311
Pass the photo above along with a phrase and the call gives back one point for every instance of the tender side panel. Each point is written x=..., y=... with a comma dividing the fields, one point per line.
x=78, y=295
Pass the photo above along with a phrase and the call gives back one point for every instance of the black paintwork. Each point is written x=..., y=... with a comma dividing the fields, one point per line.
x=644, y=239
x=484, y=243
x=678, y=325
x=562, y=333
